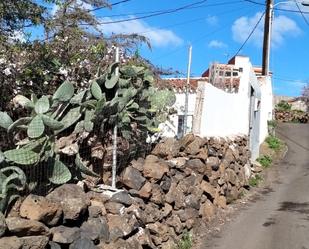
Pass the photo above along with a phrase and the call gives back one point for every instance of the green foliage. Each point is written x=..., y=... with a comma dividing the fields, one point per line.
x=265, y=161
x=136, y=107
x=255, y=181
x=12, y=182
x=283, y=106
x=272, y=123
x=273, y=143
x=185, y=242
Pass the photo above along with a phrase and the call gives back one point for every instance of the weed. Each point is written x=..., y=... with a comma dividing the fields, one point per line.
x=185, y=242
x=273, y=143
x=283, y=106
x=254, y=181
x=265, y=161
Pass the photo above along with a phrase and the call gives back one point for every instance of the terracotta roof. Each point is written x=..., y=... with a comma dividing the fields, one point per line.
x=179, y=84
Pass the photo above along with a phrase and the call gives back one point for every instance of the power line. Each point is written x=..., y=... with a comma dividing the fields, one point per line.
x=150, y=15
x=163, y=10
x=225, y=26
x=251, y=33
x=103, y=7
x=302, y=14
x=276, y=8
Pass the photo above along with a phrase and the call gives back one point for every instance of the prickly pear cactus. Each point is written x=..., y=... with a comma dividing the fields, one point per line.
x=13, y=181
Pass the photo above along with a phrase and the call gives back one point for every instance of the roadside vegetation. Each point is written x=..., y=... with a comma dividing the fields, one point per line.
x=186, y=241
x=255, y=180
x=265, y=161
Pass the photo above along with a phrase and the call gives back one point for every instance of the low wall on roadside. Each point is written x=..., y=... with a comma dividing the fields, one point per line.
x=179, y=185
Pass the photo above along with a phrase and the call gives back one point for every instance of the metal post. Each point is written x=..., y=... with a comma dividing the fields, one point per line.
x=114, y=167
x=187, y=92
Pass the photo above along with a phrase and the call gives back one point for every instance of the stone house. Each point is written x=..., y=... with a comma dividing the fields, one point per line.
x=227, y=100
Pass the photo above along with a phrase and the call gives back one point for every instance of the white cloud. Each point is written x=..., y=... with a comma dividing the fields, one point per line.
x=212, y=20
x=158, y=37
x=282, y=27
x=216, y=44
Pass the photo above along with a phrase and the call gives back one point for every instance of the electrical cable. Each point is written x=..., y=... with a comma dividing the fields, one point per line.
x=276, y=8
x=302, y=14
x=251, y=33
x=162, y=10
x=150, y=15
x=103, y=7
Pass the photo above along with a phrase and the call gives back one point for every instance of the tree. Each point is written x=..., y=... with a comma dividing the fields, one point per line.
x=18, y=14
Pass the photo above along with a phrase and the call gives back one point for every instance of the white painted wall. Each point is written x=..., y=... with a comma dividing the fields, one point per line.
x=224, y=114
x=266, y=106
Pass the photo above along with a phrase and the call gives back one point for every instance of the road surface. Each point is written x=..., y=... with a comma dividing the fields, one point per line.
x=280, y=218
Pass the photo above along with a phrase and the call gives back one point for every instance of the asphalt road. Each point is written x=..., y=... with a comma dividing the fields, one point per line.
x=279, y=219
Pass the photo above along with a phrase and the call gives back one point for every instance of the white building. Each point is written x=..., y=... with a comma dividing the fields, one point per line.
x=229, y=99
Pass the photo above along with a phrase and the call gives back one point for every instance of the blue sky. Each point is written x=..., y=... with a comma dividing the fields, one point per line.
x=216, y=30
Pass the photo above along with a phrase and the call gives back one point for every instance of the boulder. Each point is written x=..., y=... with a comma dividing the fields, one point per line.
x=143, y=237
x=114, y=208
x=157, y=196
x=121, y=244
x=213, y=162
x=208, y=188
x=220, y=201
x=152, y=213
x=196, y=165
x=119, y=226
x=155, y=168
x=185, y=141
x=232, y=195
x=3, y=225
x=145, y=191
x=178, y=162
x=23, y=227
x=175, y=222
x=53, y=245
x=229, y=155
x=132, y=178
x=95, y=229
x=39, y=208
x=207, y=210
x=82, y=243
x=231, y=176
x=10, y=243
x=34, y=242
x=94, y=211
x=73, y=200
x=192, y=201
x=165, y=183
x=138, y=164
x=202, y=154
x=194, y=147
x=187, y=214
x=65, y=235
x=168, y=148
x=122, y=197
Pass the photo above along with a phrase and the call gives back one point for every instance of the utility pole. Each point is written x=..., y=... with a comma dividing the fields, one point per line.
x=267, y=35
x=187, y=92
x=114, y=166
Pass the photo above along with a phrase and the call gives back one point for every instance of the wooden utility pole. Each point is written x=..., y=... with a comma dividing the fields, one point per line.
x=267, y=35
x=185, y=121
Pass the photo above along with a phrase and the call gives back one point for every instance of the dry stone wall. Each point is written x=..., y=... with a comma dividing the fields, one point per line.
x=179, y=185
